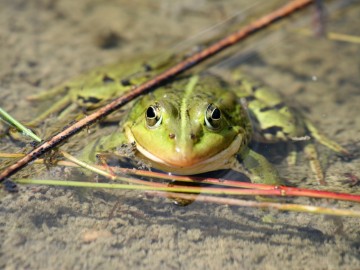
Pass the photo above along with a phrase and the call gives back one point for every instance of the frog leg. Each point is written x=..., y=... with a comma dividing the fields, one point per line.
x=324, y=140
x=91, y=155
x=292, y=154
x=58, y=106
x=312, y=156
x=260, y=170
x=66, y=112
x=113, y=149
x=49, y=94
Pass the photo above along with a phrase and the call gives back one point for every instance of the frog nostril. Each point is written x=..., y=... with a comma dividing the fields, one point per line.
x=171, y=135
x=192, y=136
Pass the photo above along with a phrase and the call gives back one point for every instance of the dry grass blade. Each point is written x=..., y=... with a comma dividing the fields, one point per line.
x=263, y=205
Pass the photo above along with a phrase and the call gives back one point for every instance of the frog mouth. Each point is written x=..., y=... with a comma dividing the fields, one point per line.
x=185, y=166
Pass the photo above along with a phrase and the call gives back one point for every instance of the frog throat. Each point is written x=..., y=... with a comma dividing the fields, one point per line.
x=221, y=160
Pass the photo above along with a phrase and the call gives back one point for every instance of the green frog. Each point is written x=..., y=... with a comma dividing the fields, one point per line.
x=195, y=123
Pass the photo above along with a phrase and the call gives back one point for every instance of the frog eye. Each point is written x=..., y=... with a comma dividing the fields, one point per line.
x=153, y=116
x=213, y=117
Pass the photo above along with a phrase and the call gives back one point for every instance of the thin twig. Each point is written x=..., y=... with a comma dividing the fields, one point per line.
x=191, y=61
x=264, y=205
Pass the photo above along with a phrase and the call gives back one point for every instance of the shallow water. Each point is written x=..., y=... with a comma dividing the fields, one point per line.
x=44, y=43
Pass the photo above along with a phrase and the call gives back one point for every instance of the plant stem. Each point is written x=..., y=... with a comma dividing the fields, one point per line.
x=13, y=122
x=264, y=205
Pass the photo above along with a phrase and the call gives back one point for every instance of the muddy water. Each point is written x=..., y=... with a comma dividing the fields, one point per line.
x=43, y=43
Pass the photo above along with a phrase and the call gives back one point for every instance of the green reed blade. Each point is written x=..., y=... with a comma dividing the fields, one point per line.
x=13, y=122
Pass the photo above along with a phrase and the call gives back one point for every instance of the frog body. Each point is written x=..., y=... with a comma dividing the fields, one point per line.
x=97, y=87
x=196, y=123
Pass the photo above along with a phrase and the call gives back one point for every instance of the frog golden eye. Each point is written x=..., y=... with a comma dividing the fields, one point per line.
x=213, y=117
x=153, y=116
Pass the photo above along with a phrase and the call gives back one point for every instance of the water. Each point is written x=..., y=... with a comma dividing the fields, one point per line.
x=45, y=42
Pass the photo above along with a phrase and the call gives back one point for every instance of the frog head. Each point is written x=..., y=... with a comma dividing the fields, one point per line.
x=192, y=126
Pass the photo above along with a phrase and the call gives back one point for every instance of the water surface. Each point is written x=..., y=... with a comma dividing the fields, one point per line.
x=44, y=43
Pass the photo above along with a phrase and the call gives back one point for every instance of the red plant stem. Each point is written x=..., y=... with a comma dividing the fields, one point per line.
x=191, y=61
x=254, y=188
x=280, y=190
x=190, y=178
x=291, y=191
